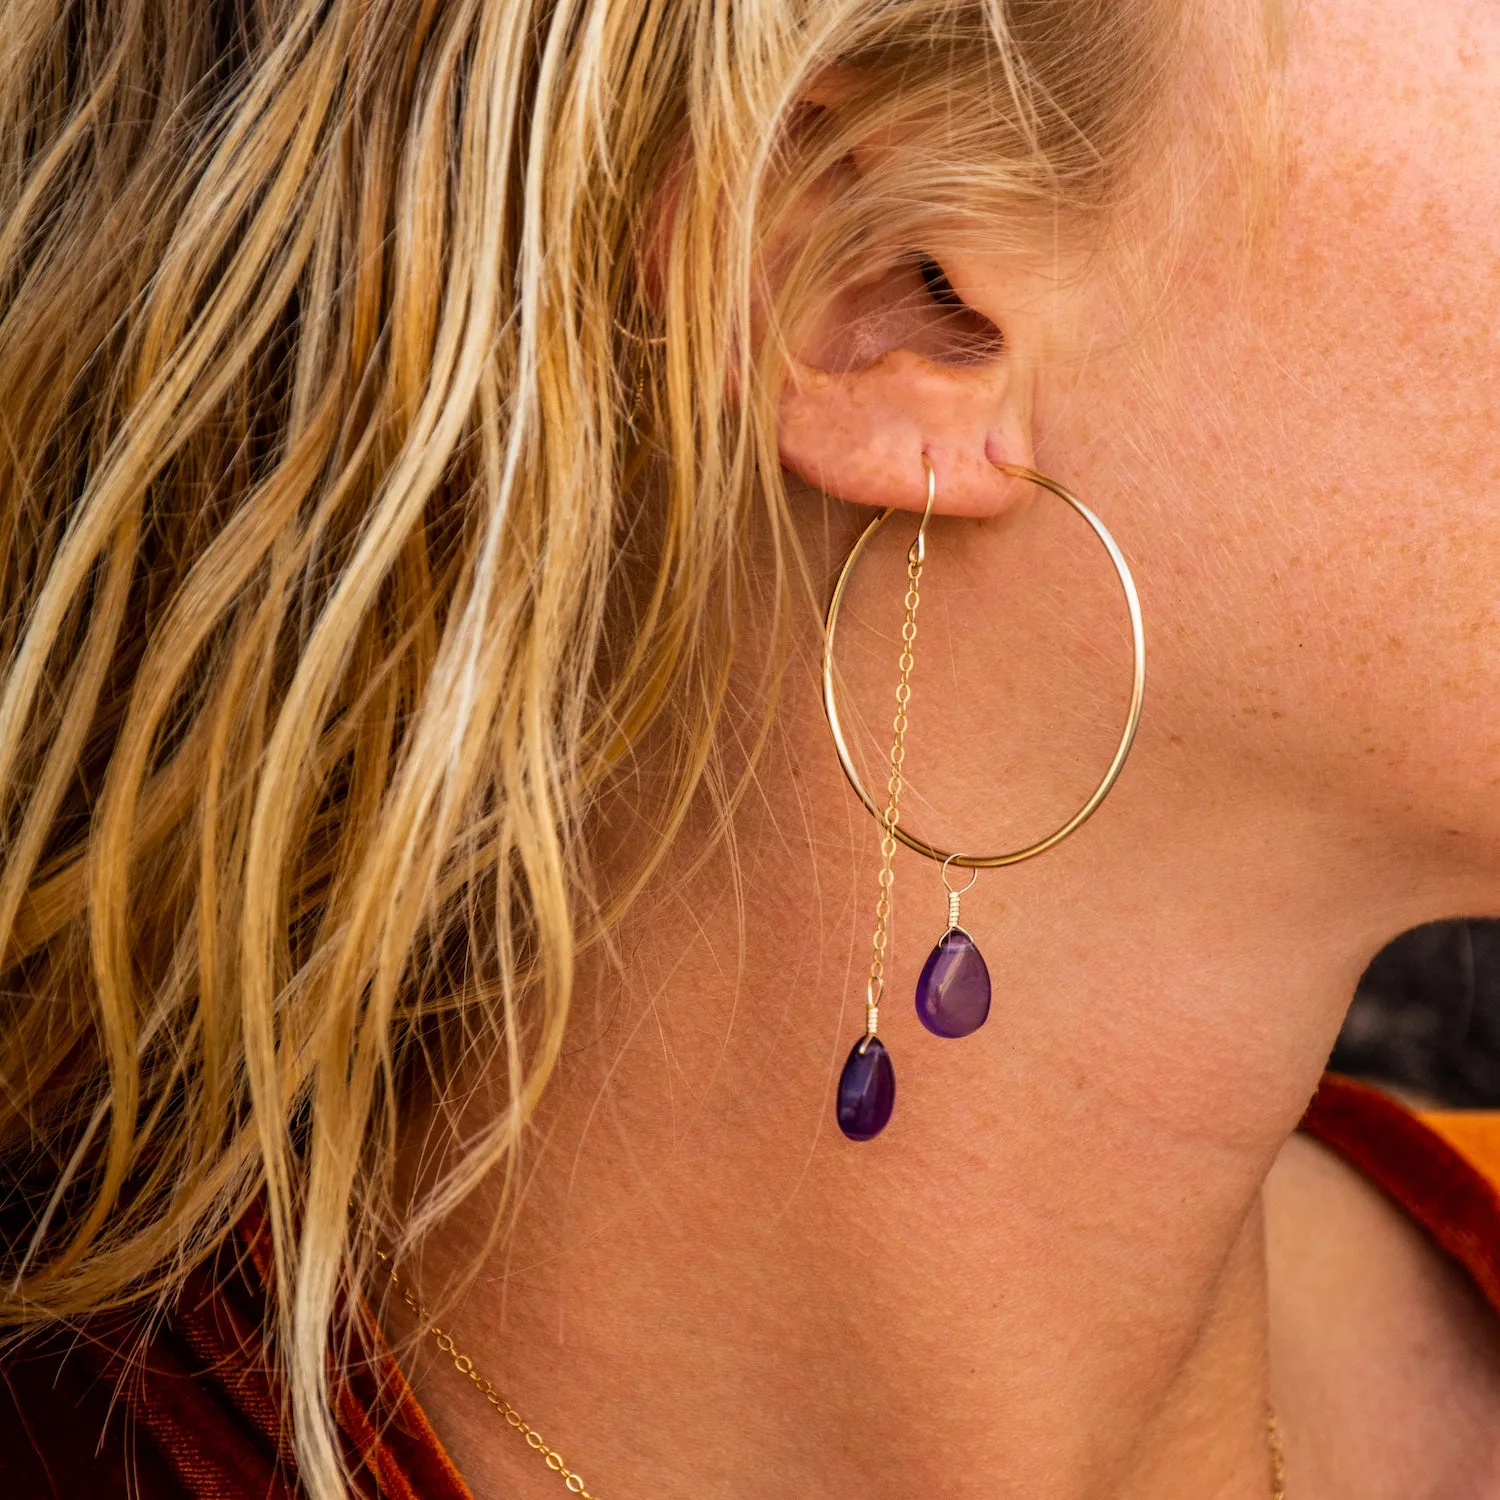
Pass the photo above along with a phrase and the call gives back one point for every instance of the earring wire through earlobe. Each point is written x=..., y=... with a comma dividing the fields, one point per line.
x=917, y=554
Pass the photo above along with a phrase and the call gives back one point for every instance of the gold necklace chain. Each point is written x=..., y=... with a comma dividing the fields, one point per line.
x=1278, y=1455
x=465, y=1366
x=575, y=1486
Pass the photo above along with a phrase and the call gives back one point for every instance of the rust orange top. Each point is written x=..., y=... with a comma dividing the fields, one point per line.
x=199, y=1416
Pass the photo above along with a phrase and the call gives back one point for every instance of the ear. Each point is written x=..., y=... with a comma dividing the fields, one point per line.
x=934, y=353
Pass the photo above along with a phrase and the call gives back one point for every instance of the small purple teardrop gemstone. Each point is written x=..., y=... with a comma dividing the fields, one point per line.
x=867, y=1090
x=953, y=994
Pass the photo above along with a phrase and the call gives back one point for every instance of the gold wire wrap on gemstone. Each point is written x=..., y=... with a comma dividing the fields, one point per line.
x=892, y=829
x=955, y=897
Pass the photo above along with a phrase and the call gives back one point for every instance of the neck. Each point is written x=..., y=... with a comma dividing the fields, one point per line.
x=1051, y=1265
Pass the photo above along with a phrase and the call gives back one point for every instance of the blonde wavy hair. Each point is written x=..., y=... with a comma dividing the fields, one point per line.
x=387, y=395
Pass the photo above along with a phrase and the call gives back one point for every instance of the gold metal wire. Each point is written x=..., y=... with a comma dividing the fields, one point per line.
x=1132, y=716
x=956, y=896
x=916, y=555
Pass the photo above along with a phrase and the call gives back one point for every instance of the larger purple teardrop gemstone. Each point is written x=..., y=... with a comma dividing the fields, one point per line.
x=953, y=994
x=867, y=1090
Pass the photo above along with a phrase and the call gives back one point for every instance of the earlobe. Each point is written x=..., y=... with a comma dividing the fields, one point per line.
x=860, y=434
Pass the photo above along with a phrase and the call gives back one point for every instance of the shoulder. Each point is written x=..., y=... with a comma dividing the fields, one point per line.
x=1384, y=1247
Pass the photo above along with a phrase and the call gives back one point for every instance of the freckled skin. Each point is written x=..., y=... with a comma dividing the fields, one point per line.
x=1300, y=448
x=1301, y=454
x=1332, y=524
x=1049, y=1276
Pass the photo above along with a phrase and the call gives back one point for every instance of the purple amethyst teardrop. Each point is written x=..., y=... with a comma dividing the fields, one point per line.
x=867, y=1090
x=953, y=994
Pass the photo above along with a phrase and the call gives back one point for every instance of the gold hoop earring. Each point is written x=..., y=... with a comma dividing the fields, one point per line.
x=953, y=994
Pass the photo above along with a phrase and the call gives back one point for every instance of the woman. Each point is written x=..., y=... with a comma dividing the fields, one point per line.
x=433, y=430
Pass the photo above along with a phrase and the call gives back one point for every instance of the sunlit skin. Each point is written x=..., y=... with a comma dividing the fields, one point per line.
x=1052, y=1275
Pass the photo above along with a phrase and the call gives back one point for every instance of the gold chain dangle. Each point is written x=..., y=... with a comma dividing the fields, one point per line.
x=867, y=1085
x=465, y=1367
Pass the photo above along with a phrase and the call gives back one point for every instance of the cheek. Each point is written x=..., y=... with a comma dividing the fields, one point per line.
x=1386, y=332
x=1337, y=430
x=1388, y=294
